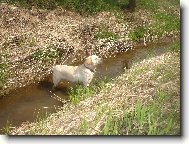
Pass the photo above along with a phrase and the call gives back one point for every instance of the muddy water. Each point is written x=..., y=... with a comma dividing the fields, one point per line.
x=27, y=103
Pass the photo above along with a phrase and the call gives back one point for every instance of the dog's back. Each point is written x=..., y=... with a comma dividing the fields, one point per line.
x=82, y=73
x=63, y=72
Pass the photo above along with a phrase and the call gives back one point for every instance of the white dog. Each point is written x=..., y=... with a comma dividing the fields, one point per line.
x=82, y=74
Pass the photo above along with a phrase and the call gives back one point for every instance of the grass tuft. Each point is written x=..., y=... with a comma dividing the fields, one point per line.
x=79, y=92
x=7, y=128
x=84, y=126
x=48, y=54
x=104, y=33
x=3, y=73
x=84, y=6
x=147, y=4
x=166, y=22
x=138, y=33
x=146, y=119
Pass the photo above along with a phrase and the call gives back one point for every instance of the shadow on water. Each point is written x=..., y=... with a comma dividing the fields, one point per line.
x=26, y=103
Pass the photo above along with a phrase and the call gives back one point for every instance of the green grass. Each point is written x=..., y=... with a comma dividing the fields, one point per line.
x=7, y=128
x=153, y=118
x=17, y=40
x=42, y=4
x=153, y=5
x=40, y=119
x=99, y=112
x=162, y=23
x=48, y=54
x=41, y=122
x=79, y=93
x=159, y=23
x=84, y=126
x=175, y=47
x=94, y=6
x=165, y=22
x=135, y=73
x=21, y=42
x=91, y=6
x=159, y=116
x=138, y=33
x=33, y=42
x=111, y=125
x=84, y=6
x=167, y=72
x=147, y=4
x=3, y=73
x=104, y=33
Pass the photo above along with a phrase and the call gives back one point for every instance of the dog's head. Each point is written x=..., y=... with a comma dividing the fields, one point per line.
x=93, y=60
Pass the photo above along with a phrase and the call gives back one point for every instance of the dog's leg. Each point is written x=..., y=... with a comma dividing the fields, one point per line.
x=55, y=83
x=53, y=88
x=87, y=82
x=55, y=80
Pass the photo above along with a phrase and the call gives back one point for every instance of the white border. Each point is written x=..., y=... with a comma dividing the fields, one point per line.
x=135, y=140
x=185, y=68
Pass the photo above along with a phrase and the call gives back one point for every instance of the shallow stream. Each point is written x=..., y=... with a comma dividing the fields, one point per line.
x=27, y=103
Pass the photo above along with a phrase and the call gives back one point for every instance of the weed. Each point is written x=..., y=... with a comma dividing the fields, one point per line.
x=162, y=23
x=175, y=47
x=107, y=125
x=91, y=6
x=99, y=112
x=3, y=73
x=111, y=125
x=105, y=34
x=78, y=93
x=148, y=119
x=165, y=22
x=132, y=78
x=33, y=42
x=42, y=4
x=49, y=54
x=154, y=5
x=84, y=126
x=84, y=6
x=164, y=73
x=138, y=33
x=147, y=4
x=7, y=128
x=41, y=121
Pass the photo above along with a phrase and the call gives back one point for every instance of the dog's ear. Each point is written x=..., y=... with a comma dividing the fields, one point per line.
x=89, y=61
